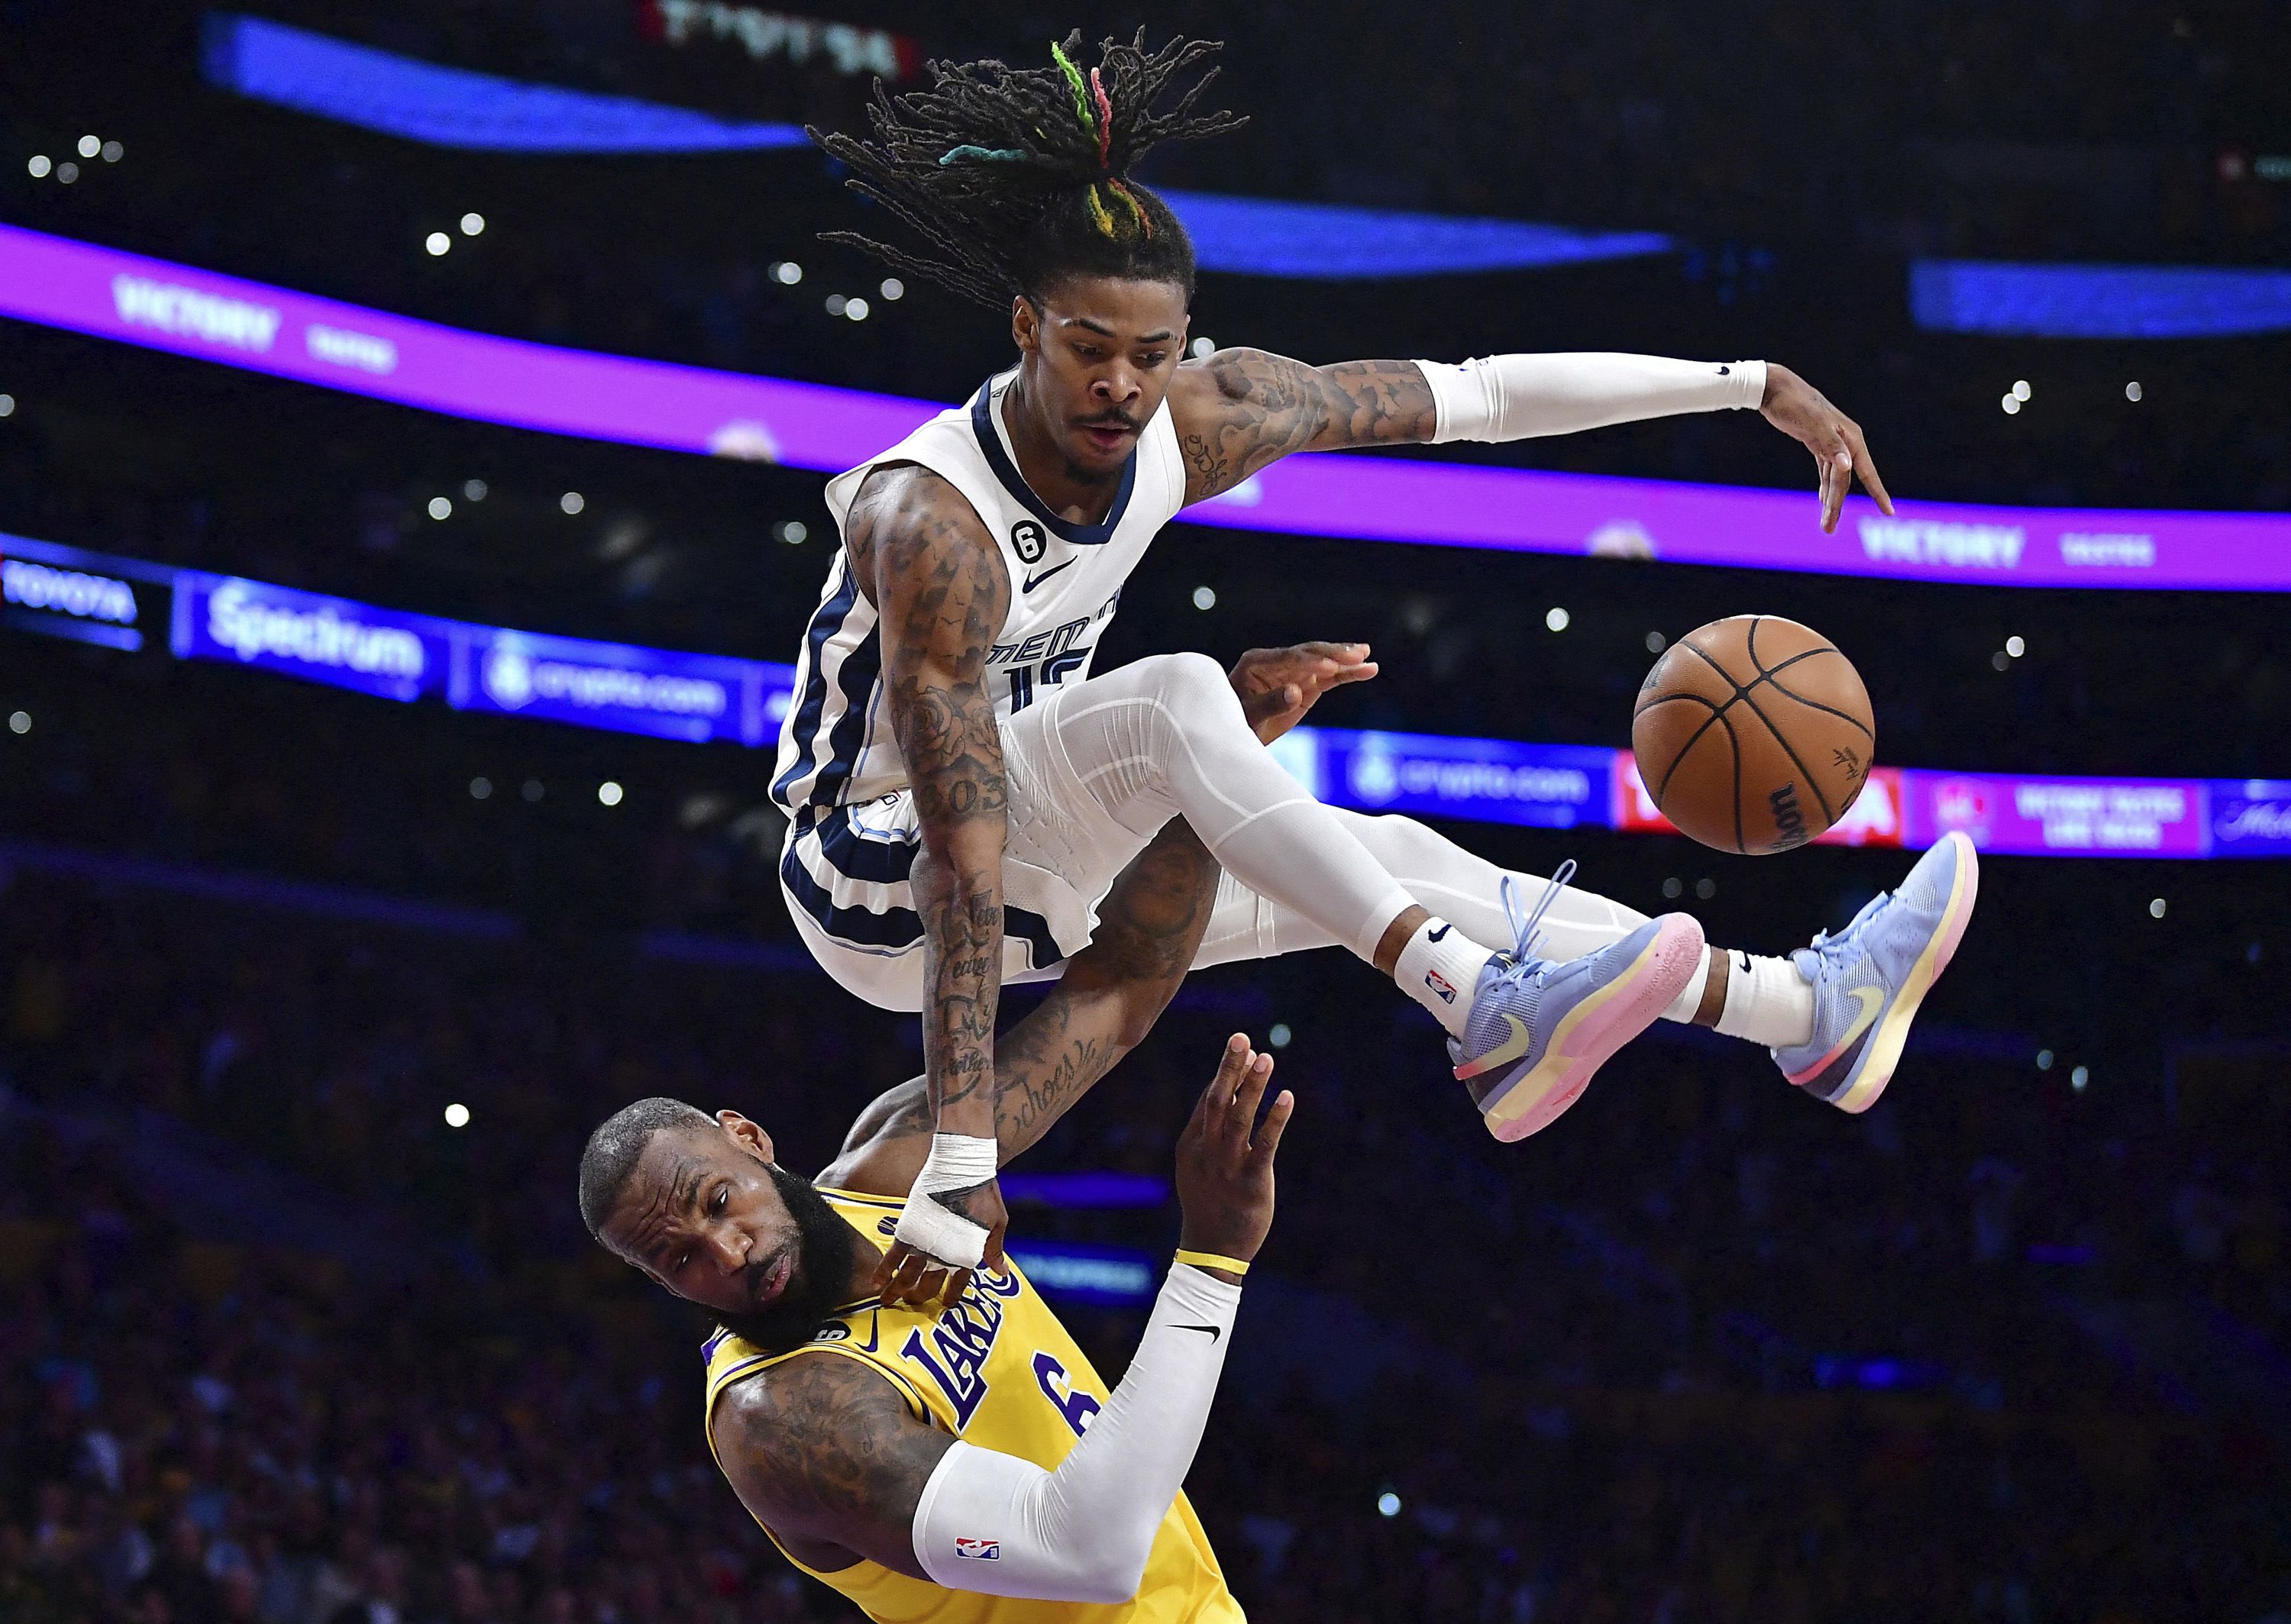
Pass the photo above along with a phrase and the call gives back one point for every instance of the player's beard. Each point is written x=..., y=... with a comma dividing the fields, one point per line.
x=821, y=1282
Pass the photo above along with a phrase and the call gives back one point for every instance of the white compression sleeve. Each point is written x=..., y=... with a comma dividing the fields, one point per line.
x=1001, y=1526
x=1519, y=397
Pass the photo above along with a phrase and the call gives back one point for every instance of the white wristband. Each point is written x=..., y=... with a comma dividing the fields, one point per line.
x=957, y=1161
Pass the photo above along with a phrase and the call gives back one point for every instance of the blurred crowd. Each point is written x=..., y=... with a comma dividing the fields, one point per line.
x=278, y=1344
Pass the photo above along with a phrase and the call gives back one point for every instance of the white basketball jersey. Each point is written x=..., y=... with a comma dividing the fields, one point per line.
x=836, y=747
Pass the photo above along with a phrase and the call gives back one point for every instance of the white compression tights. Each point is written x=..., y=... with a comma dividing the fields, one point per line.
x=1165, y=737
x=1434, y=870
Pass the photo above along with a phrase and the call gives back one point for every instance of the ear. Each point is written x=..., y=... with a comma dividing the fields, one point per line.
x=1025, y=324
x=746, y=1134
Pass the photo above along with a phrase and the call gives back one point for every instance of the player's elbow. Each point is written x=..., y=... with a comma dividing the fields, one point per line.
x=1117, y=1570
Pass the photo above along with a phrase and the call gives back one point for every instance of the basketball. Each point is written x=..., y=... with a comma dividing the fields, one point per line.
x=1753, y=734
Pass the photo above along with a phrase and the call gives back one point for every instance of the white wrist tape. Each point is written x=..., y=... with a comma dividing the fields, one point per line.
x=999, y=1525
x=1520, y=396
x=957, y=1161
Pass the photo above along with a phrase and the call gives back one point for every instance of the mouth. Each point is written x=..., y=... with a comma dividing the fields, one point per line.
x=1107, y=437
x=766, y=1280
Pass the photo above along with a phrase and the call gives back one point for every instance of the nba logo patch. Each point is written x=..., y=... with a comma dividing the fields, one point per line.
x=1439, y=986
x=979, y=1550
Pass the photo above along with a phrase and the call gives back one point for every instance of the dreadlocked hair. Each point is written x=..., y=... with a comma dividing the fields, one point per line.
x=1016, y=178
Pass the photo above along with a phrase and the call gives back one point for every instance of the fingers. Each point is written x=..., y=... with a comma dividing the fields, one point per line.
x=1837, y=474
x=1268, y=1140
x=1360, y=672
x=1867, y=467
x=1242, y=1113
x=1209, y=1109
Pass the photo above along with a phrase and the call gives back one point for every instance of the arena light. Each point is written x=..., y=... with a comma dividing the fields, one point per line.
x=1205, y=598
x=2016, y=647
x=436, y=243
x=1279, y=1036
x=66, y=172
x=7, y=406
x=158, y=305
x=1557, y=618
x=2040, y=300
x=473, y=223
x=2020, y=390
x=89, y=146
x=40, y=166
x=2132, y=390
x=2156, y=908
x=572, y=501
x=441, y=507
x=113, y=152
x=453, y=107
x=892, y=289
x=473, y=490
x=20, y=721
x=609, y=793
x=457, y=1115
x=481, y=789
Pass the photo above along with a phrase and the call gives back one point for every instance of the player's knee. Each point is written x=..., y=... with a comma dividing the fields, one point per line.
x=1190, y=675
x=1196, y=688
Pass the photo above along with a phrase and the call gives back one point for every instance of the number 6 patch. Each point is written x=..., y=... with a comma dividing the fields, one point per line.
x=1027, y=539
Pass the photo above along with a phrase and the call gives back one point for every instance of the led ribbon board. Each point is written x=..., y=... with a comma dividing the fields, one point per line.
x=66, y=591
x=151, y=302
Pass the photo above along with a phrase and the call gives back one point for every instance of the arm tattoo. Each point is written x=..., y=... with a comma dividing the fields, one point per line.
x=1265, y=407
x=821, y=1446
x=1148, y=932
x=944, y=593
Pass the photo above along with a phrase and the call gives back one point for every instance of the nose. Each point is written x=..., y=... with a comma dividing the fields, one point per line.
x=729, y=1248
x=1117, y=385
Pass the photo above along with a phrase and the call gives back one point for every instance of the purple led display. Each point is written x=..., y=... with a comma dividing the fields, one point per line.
x=151, y=303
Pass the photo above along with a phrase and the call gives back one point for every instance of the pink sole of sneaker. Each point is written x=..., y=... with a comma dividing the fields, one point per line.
x=1878, y=1066
x=1595, y=1029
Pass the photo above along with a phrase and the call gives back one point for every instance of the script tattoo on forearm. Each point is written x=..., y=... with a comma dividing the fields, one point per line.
x=822, y=1445
x=1149, y=930
x=944, y=596
x=1268, y=406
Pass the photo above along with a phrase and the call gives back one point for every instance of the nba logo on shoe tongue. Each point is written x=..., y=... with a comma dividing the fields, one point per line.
x=1440, y=985
x=979, y=1550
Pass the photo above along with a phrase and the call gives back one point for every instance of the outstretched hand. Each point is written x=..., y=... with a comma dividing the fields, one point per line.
x=1277, y=686
x=1225, y=1157
x=1840, y=455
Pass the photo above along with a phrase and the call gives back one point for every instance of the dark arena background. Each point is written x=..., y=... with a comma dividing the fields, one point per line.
x=389, y=721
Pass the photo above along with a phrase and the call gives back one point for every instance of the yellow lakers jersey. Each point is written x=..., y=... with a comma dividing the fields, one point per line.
x=996, y=1370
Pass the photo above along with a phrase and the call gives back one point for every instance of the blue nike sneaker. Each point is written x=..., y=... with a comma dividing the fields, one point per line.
x=1537, y=1031
x=1869, y=979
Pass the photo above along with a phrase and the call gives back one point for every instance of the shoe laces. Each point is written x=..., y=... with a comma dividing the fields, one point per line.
x=1848, y=940
x=1526, y=934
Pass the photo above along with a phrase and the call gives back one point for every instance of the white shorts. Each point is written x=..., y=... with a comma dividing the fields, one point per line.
x=846, y=877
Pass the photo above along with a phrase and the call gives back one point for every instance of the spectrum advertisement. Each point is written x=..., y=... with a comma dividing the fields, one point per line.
x=65, y=592
x=126, y=297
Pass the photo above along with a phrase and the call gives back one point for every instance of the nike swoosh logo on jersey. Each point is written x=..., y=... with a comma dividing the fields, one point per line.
x=1034, y=581
x=1212, y=1330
